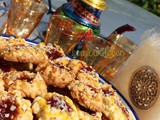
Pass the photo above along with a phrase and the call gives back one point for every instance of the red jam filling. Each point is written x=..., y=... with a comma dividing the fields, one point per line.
x=108, y=92
x=53, y=54
x=59, y=65
x=124, y=110
x=93, y=89
x=5, y=65
x=8, y=110
x=88, y=68
x=59, y=103
x=26, y=78
x=20, y=46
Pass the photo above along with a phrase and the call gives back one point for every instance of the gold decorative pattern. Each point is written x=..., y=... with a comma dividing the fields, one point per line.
x=144, y=87
x=78, y=8
x=99, y=4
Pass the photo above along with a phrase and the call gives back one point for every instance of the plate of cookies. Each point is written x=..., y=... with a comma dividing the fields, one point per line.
x=39, y=82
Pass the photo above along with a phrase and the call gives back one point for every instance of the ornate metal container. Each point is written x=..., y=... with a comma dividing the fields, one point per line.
x=83, y=13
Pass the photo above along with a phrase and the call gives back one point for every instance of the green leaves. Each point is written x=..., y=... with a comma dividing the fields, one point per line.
x=150, y=5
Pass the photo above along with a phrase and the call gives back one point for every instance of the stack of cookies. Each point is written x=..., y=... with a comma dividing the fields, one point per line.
x=39, y=82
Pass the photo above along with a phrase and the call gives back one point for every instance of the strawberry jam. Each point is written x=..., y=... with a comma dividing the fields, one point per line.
x=108, y=92
x=53, y=54
x=59, y=103
x=5, y=65
x=92, y=89
x=88, y=68
x=8, y=110
x=26, y=78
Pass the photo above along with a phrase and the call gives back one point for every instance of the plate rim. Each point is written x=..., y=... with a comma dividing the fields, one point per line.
x=101, y=77
x=28, y=40
x=122, y=97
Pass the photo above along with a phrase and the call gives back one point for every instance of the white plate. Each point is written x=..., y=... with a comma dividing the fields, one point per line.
x=102, y=80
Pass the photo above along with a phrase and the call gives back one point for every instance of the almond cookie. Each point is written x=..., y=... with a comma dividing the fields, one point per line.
x=5, y=43
x=32, y=54
x=76, y=65
x=14, y=107
x=114, y=108
x=29, y=84
x=88, y=74
x=82, y=70
x=53, y=106
x=55, y=74
x=87, y=94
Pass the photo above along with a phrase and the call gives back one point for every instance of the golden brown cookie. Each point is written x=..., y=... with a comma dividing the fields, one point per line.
x=87, y=74
x=8, y=66
x=29, y=84
x=21, y=53
x=83, y=71
x=87, y=94
x=51, y=51
x=5, y=43
x=31, y=54
x=62, y=61
x=76, y=65
x=14, y=107
x=53, y=106
x=55, y=74
x=114, y=108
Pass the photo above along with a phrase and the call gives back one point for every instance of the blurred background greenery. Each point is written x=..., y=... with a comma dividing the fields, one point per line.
x=150, y=5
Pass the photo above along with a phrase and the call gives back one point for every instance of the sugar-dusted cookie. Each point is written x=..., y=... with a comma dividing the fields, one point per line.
x=53, y=106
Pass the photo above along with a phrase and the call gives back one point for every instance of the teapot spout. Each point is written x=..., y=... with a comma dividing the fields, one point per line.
x=123, y=29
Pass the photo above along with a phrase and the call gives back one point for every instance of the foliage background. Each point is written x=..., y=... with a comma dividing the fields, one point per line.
x=150, y=5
